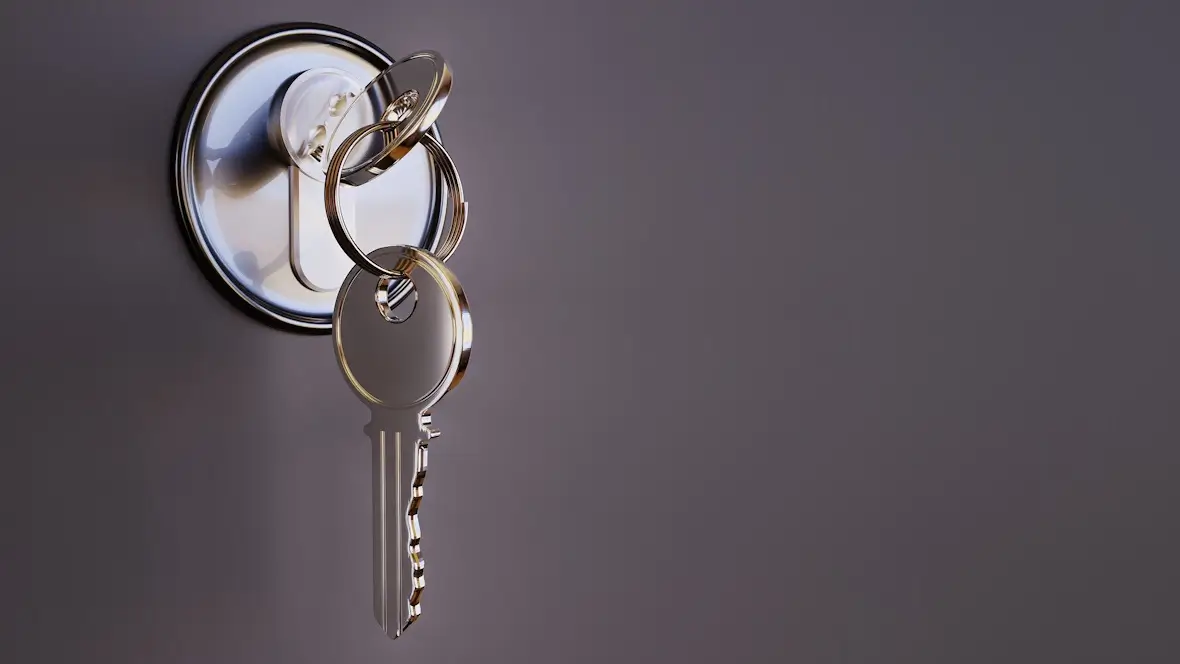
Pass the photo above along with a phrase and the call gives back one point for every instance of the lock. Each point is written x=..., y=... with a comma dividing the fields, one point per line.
x=252, y=149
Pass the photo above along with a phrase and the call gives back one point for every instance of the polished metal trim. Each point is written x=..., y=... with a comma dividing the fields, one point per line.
x=242, y=295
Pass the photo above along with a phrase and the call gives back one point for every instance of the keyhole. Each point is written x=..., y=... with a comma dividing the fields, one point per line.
x=314, y=145
x=389, y=290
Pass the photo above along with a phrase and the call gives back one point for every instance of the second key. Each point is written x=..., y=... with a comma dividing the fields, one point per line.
x=400, y=363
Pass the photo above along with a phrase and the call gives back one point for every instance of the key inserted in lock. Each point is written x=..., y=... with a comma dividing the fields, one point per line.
x=307, y=112
x=247, y=181
x=315, y=106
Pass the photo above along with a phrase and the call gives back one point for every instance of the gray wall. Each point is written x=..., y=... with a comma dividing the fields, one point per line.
x=806, y=332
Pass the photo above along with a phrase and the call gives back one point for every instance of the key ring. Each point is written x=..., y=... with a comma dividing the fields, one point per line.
x=332, y=183
x=413, y=93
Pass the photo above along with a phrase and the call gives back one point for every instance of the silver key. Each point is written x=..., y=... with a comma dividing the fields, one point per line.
x=400, y=368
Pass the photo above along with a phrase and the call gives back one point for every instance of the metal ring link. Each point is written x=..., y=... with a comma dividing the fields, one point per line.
x=444, y=165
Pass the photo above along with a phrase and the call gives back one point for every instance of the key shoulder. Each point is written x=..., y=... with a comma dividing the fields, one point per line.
x=409, y=423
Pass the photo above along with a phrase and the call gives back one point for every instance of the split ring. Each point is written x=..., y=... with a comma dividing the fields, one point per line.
x=444, y=165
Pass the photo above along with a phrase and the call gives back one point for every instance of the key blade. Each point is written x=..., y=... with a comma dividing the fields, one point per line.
x=399, y=471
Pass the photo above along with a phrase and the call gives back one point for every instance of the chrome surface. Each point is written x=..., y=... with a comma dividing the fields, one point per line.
x=232, y=183
x=401, y=367
x=334, y=204
x=308, y=110
x=415, y=90
x=317, y=259
x=303, y=115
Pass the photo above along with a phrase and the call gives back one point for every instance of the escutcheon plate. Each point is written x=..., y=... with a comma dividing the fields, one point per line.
x=232, y=185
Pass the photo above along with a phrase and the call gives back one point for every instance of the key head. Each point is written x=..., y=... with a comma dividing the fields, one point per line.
x=403, y=365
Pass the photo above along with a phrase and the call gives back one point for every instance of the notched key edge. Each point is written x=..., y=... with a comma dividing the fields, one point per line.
x=399, y=567
x=414, y=533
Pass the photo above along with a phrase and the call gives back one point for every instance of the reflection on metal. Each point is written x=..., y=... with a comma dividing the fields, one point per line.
x=336, y=207
x=247, y=181
x=401, y=368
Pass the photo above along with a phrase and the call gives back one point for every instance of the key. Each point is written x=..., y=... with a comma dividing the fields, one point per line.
x=400, y=366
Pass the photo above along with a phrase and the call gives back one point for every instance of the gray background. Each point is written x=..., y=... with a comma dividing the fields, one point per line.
x=806, y=332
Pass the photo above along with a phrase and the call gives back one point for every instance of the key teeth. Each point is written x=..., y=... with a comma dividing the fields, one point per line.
x=395, y=619
x=414, y=530
x=427, y=423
